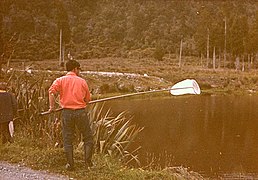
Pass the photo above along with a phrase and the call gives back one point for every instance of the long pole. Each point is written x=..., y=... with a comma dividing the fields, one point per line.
x=121, y=96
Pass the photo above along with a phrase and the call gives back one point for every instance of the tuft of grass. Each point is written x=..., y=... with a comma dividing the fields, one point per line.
x=114, y=135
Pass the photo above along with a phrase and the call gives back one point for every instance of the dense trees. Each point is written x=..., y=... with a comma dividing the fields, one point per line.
x=119, y=28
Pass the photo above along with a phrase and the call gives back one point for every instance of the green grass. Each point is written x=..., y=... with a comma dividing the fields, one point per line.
x=222, y=79
x=26, y=152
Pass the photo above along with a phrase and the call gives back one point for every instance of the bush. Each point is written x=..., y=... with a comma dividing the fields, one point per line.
x=159, y=53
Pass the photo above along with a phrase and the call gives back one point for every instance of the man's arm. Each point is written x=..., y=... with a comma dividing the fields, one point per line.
x=51, y=102
x=87, y=97
x=54, y=88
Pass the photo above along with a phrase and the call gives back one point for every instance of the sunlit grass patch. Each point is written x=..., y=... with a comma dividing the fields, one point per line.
x=53, y=160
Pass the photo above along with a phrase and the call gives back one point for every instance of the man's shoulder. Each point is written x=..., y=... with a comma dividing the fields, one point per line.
x=76, y=77
x=67, y=77
x=81, y=79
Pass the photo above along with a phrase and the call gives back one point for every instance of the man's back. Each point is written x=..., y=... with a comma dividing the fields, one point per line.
x=73, y=91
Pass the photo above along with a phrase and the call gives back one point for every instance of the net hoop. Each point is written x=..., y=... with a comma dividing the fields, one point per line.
x=188, y=86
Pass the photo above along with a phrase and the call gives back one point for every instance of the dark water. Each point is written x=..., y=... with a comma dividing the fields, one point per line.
x=209, y=134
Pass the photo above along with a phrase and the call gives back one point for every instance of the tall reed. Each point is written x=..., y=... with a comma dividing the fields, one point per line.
x=114, y=134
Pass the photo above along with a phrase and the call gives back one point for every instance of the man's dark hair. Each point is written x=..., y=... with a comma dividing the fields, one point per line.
x=71, y=64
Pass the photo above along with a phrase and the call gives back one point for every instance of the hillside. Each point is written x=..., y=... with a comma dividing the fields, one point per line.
x=128, y=29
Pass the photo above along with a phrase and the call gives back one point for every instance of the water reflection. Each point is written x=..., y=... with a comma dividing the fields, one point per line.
x=209, y=134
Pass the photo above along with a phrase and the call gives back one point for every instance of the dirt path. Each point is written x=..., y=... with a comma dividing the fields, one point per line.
x=13, y=172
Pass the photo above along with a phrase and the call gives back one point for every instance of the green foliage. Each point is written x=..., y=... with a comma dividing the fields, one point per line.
x=98, y=29
x=159, y=53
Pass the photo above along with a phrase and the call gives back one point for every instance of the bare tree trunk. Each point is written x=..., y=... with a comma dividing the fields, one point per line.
x=208, y=48
x=243, y=63
x=1, y=41
x=201, y=59
x=249, y=62
x=237, y=63
x=63, y=54
x=252, y=61
x=214, y=59
x=180, y=53
x=219, y=63
x=225, y=43
x=60, y=50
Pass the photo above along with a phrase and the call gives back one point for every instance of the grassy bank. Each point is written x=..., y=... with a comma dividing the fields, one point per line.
x=155, y=75
x=28, y=152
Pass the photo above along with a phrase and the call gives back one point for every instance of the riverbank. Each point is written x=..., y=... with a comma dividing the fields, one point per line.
x=31, y=160
x=119, y=75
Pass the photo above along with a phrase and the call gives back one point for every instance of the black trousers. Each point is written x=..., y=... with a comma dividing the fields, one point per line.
x=5, y=133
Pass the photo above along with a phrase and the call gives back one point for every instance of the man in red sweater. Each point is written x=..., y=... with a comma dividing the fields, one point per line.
x=74, y=96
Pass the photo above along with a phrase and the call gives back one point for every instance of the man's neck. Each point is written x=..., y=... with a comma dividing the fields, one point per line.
x=72, y=73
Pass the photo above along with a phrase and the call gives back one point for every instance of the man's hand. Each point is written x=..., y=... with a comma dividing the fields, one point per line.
x=51, y=109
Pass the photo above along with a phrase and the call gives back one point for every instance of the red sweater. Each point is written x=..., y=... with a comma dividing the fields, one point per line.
x=73, y=90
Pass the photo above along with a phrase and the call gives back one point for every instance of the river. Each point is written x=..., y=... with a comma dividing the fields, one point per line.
x=210, y=134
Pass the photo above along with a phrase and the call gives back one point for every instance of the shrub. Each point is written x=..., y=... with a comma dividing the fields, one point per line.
x=159, y=53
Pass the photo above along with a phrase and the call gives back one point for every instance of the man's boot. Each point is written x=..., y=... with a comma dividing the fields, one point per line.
x=88, y=151
x=70, y=162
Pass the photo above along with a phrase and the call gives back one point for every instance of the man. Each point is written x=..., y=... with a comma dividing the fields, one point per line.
x=74, y=96
x=8, y=110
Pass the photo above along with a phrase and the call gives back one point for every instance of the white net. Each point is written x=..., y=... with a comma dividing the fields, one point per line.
x=188, y=86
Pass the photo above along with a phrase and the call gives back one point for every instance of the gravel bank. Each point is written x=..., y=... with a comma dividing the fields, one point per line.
x=14, y=172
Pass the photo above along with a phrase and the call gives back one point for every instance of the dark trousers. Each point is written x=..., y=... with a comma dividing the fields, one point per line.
x=5, y=133
x=79, y=118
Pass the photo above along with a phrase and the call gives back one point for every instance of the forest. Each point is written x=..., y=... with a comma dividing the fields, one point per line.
x=34, y=29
